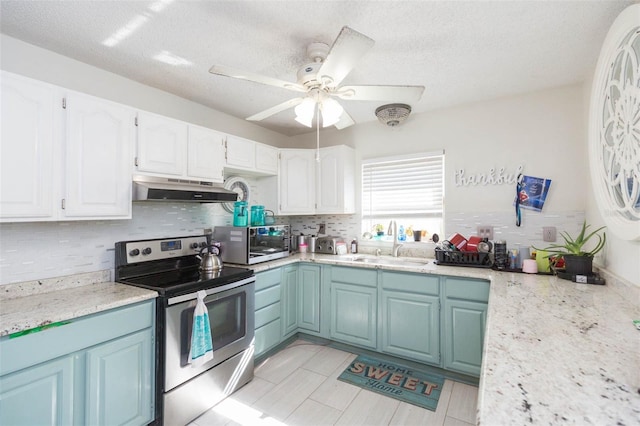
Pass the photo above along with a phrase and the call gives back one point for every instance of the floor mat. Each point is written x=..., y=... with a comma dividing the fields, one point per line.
x=395, y=380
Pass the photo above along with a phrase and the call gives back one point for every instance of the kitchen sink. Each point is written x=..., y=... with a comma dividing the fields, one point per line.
x=382, y=260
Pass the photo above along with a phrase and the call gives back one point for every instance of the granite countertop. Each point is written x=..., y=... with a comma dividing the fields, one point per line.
x=32, y=304
x=554, y=351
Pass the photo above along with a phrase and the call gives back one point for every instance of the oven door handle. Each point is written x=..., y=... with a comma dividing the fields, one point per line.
x=214, y=290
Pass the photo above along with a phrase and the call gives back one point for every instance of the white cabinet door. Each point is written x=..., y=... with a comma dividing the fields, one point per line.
x=27, y=150
x=296, y=181
x=240, y=153
x=205, y=154
x=99, y=140
x=266, y=158
x=162, y=145
x=335, y=185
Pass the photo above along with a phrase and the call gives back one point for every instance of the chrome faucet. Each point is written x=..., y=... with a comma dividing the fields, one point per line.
x=396, y=245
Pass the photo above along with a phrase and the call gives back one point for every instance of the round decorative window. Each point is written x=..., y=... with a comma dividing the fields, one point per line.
x=614, y=131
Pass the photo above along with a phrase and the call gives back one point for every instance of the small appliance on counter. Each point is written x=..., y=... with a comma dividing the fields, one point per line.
x=253, y=244
x=328, y=245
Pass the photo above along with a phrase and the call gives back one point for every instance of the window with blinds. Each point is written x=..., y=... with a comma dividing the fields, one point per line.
x=408, y=189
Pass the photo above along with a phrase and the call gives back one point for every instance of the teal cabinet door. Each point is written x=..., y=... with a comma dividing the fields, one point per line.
x=309, y=297
x=464, y=335
x=40, y=395
x=267, y=337
x=354, y=314
x=289, y=300
x=268, y=310
x=119, y=390
x=411, y=326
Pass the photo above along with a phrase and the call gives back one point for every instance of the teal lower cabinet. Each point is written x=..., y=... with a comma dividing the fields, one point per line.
x=40, y=395
x=119, y=388
x=267, y=310
x=410, y=315
x=96, y=370
x=465, y=316
x=289, y=300
x=354, y=305
x=309, y=297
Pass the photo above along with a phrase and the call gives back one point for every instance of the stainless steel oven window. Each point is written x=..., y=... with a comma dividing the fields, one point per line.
x=227, y=320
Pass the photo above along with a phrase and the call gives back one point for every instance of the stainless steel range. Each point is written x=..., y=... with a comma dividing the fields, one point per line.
x=170, y=267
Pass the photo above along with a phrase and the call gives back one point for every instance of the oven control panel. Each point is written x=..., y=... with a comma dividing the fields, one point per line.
x=144, y=251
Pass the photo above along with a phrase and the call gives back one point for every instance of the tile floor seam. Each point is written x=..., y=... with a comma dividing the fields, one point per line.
x=318, y=402
x=310, y=393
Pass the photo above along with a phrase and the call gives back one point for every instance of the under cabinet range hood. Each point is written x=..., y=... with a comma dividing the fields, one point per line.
x=147, y=188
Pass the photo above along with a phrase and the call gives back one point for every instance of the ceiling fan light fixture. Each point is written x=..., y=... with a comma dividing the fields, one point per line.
x=304, y=112
x=331, y=112
x=393, y=114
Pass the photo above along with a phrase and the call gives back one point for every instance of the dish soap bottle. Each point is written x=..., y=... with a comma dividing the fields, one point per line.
x=354, y=246
x=401, y=235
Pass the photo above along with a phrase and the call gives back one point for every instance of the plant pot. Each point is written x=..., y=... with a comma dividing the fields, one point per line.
x=578, y=265
x=380, y=233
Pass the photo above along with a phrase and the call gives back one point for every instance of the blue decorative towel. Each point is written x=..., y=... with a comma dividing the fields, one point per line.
x=201, y=341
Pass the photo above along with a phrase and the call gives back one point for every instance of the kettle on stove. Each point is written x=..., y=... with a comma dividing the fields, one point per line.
x=210, y=262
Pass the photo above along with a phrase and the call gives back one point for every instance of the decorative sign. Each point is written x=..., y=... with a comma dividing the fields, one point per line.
x=533, y=192
x=491, y=178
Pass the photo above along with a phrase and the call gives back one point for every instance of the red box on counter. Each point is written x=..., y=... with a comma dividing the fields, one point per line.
x=472, y=244
x=459, y=241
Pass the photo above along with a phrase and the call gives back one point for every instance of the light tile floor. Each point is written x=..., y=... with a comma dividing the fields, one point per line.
x=299, y=386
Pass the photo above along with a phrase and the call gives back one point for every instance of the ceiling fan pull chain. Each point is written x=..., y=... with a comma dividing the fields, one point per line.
x=318, y=134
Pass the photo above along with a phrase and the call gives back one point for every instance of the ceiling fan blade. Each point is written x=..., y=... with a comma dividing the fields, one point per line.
x=346, y=51
x=256, y=78
x=380, y=93
x=345, y=121
x=276, y=109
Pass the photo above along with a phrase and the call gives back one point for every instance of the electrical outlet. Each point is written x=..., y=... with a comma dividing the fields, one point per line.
x=485, y=231
x=549, y=234
x=321, y=228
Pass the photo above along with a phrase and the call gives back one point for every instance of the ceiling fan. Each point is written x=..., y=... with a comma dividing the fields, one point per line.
x=319, y=82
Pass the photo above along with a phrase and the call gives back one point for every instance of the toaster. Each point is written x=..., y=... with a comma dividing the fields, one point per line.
x=327, y=245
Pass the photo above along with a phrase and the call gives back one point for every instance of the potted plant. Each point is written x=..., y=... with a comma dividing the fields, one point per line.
x=379, y=229
x=578, y=259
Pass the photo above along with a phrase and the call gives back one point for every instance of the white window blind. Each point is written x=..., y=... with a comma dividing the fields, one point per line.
x=403, y=187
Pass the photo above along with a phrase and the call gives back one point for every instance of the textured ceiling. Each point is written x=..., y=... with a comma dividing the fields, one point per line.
x=461, y=51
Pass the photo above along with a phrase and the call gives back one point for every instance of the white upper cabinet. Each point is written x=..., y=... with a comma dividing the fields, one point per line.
x=98, y=150
x=241, y=153
x=335, y=182
x=27, y=148
x=306, y=186
x=65, y=156
x=296, y=182
x=249, y=157
x=205, y=154
x=173, y=148
x=266, y=158
x=162, y=145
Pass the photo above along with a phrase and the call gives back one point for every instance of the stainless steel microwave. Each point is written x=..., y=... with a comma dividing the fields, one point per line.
x=254, y=244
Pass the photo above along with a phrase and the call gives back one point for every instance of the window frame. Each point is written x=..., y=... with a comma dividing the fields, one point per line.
x=372, y=218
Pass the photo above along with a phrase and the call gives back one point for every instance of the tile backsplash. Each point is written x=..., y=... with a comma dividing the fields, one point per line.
x=37, y=250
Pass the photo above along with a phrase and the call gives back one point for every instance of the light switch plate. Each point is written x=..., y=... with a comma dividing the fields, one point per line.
x=549, y=234
x=321, y=228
